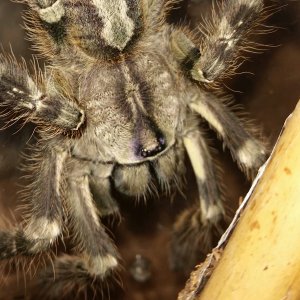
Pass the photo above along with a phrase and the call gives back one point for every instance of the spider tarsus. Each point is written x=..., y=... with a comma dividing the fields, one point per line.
x=72, y=278
x=193, y=237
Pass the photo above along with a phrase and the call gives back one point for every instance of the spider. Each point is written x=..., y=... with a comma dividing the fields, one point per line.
x=117, y=108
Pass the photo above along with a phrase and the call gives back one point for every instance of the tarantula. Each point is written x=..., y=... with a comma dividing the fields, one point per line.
x=119, y=103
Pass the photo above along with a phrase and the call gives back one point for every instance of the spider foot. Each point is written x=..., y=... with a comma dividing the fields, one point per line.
x=194, y=237
x=74, y=277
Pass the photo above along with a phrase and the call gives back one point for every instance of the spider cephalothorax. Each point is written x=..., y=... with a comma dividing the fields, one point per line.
x=119, y=103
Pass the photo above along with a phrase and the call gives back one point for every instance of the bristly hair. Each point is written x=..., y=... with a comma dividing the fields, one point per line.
x=227, y=47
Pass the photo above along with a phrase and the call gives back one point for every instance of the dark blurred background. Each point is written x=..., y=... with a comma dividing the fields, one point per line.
x=269, y=91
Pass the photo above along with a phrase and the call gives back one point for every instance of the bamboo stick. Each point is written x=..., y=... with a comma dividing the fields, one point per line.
x=262, y=258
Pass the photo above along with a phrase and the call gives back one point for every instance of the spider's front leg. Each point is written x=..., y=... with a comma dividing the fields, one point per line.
x=43, y=223
x=249, y=152
x=39, y=101
x=97, y=257
x=99, y=253
x=204, y=221
x=224, y=37
x=196, y=228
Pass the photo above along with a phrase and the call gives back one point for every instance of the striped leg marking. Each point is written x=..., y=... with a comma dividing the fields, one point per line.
x=197, y=228
x=44, y=221
x=99, y=253
x=226, y=36
x=25, y=99
x=249, y=152
x=97, y=259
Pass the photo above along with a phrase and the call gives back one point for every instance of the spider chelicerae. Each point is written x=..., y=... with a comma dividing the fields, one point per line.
x=117, y=107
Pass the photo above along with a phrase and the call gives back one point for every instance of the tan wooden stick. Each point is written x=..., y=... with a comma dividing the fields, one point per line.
x=262, y=258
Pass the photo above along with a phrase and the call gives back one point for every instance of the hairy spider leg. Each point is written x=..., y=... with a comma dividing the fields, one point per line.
x=194, y=229
x=98, y=251
x=43, y=223
x=226, y=35
x=248, y=151
x=23, y=98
